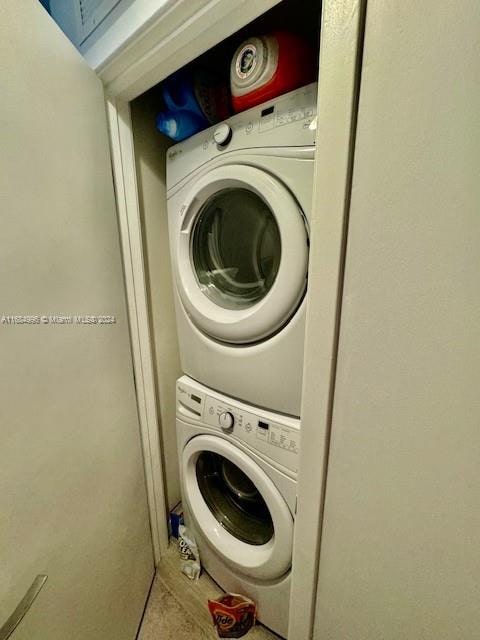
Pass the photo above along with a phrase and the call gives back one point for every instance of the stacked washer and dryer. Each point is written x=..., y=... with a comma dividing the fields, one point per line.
x=239, y=196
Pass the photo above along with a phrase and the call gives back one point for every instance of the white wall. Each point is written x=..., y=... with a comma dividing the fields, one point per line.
x=400, y=556
x=73, y=503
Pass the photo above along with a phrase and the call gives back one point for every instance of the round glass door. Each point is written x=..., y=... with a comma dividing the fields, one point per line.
x=235, y=507
x=236, y=248
x=233, y=499
x=242, y=254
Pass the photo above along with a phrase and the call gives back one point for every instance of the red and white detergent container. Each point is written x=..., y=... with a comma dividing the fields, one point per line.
x=264, y=67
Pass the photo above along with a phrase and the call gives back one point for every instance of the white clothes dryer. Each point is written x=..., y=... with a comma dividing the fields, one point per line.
x=239, y=198
x=238, y=468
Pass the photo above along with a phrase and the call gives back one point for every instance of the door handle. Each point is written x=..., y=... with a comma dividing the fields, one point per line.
x=22, y=607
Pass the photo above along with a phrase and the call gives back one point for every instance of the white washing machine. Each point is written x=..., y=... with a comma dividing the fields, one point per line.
x=238, y=468
x=239, y=198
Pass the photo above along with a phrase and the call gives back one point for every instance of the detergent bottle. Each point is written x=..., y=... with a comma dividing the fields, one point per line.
x=194, y=99
x=265, y=67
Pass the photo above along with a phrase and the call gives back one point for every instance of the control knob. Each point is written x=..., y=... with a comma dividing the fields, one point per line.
x=226, y=420
x=222, y=134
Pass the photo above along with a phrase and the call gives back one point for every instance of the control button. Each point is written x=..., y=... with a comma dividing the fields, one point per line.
x=249, y=127
x=248, y=427
x=262, y=434
x=226, y=420
x=211, y=411
x=223, y=134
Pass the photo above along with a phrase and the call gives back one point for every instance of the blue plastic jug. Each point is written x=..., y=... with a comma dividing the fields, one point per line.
x=195, y=100
x=180, y=124
x=178, y=93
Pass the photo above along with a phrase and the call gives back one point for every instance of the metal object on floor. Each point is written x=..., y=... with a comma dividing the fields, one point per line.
x=23, y=606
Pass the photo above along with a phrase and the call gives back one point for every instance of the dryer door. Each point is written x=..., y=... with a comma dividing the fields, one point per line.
x=242, y=254
x=237, y=508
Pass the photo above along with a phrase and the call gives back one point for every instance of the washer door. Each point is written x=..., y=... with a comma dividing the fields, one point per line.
x=242, y=254
x=237, y=508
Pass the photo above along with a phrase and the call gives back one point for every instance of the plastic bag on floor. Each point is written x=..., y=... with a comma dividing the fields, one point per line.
x=233, y=615
x=190, y=558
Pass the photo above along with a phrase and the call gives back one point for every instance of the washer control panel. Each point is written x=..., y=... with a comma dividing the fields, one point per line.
x=280, y=442
x=273, y=435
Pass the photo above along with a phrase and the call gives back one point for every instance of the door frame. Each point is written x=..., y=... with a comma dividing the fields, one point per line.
x=341, y=49
x=164, y=46
x=129, y=221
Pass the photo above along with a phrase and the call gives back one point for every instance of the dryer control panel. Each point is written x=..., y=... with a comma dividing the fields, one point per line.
x=288, y=121
x=275, y=436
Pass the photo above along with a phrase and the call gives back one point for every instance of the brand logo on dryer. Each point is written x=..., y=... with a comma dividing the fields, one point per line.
x=173, y=154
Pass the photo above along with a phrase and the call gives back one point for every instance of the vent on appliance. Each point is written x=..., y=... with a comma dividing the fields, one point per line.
x=90, y=13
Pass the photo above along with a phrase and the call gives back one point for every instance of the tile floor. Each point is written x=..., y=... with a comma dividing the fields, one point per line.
x=177, y=607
